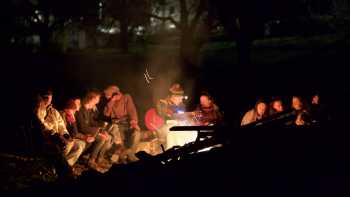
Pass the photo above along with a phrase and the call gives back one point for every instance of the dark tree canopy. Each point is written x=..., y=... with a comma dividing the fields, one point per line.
x=244, y=19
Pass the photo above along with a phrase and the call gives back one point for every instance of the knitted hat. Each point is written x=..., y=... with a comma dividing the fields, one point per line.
x=176, y=89
x=113, y=89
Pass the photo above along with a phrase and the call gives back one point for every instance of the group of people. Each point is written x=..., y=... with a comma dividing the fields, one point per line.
x=306, y=113
x=105, y=126
x=173, y=113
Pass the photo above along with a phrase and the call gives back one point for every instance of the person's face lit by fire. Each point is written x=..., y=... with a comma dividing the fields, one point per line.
x=261, y=109
x=315, y=100
x=77, y=104
x=277, y=106
x=47, y=99
x=205, y=101
x=110, y=90
x=296, y=103
x=95, y=100
x=176, y=99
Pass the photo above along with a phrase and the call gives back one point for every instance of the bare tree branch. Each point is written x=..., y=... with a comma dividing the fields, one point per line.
x=184, y=12
x=193, y=6
x=199, y=12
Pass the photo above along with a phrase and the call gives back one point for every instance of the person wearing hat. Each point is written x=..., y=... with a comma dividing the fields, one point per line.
x=105, y=98
x=122, y=112
x=173, y=104
x=112, y=128
x=167, y=108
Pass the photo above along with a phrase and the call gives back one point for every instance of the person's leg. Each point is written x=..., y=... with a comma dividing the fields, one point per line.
x=98, y=144
x=135, y=139
x=56, y=157
x=132, y=138
x=106, y=146
x=117, y=142
x=75, y=153
x=115, y=133
x=68, y=148
x=123, y=130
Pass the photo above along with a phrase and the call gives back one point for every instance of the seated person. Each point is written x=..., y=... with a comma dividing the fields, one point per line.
x=318, y=111
x=90, y=127
x=55, y=131
x=68, y=116
x=257, y=113
x=122, y=111
x=171, y=110
x=207, y=112
x=303, y=114
x=173, y=104
x=167, y=107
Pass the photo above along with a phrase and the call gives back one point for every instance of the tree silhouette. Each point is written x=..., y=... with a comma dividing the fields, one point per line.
x=187, y=16
x=129, y=14
x=244, y=19
x=44, y=17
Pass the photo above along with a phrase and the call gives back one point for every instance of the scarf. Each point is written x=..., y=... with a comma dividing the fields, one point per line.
x=70, y=118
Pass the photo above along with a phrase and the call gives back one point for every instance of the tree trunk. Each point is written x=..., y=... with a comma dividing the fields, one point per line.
x=124, y=37
x=237, y=30
x=241, y=32
x=124, y=34
x=189, y=50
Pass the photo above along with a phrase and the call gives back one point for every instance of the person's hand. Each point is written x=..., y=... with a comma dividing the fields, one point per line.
x=63, y=139
x=134, y=125
x=67, y=137
x=299, y=121
x=90, y=139
x=57, y=139
x=60, y=141
x=111, y=102
x=169, y=112
x=118, y=140
x=103, y=135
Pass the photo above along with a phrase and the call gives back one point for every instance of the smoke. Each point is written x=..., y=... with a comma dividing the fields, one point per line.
x=166, y=69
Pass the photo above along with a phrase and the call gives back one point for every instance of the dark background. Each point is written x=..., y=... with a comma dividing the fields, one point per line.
x=307, y=52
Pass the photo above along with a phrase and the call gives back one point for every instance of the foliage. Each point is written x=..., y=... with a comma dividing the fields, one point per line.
x=129, y=10
x=129, y=14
